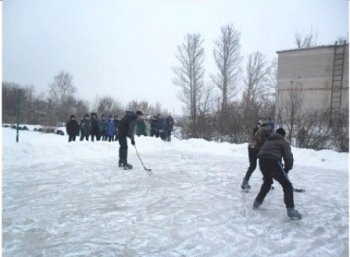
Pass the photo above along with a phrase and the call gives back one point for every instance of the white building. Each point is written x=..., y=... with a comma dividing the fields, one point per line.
x=317, y=78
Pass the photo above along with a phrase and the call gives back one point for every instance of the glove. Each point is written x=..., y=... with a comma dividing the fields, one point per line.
x=132, y=141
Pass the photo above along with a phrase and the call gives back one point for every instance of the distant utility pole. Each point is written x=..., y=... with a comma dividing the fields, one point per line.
x=18, y=100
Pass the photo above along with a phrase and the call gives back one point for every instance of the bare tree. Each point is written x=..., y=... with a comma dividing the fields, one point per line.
x=81, y=108
x=62, y=87
x=61, y=92
x=28, y=98
x=29, y=111
x=146, y=107
x=104, y=105
x=340, y=133
x=9, y=99
x=268, y=98
x=256, y=90
x=271, y=79
x=189, y=75
x=228, y=59
x=256, y=77
x=309, y=40
x=313, y=130
x=291, y=108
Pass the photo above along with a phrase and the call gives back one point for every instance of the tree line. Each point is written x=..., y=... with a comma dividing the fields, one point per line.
x=53, y=107
x=230, y=104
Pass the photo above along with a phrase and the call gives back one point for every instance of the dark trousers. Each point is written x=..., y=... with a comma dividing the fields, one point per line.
x=71, y=138
x=123, y=149
x=253, y=157
x=97, y=137
x=84, y=136
x=272, y=169
x=168, y=136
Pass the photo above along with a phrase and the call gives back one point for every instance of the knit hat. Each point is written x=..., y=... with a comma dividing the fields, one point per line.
x=281, y=131
x=139, y=113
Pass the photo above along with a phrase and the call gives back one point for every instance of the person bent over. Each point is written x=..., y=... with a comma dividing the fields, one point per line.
x=126, y=128
x=270, y=157
x=260, y=135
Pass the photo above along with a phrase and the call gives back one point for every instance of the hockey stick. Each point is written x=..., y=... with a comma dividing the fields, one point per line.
x=297, y=190
x=149, y=171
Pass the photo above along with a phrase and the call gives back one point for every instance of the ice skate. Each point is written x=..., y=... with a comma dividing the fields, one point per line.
x=293, y=214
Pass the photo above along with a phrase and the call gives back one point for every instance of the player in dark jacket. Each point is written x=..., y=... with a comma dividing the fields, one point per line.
x=260, y=134
x=270, y=157
x=126, y=128
x=72, y=128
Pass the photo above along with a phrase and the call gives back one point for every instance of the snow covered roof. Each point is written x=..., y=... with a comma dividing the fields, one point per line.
x=307, y=48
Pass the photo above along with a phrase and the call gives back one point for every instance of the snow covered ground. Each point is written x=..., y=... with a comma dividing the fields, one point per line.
x=71, y=199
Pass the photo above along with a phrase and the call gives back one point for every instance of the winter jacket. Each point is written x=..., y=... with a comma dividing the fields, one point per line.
x=85, y=127
x=161, y=125
x=169, y=124
x=110, y=129
x=260, y=137
x=276, y=147
x=116, y=124
x=103, y=123
x=252, y=141
x=154, y=129
x=147, y=127
x=140, y=128
x=126, y=126
x=72, y=128
x=95, y=126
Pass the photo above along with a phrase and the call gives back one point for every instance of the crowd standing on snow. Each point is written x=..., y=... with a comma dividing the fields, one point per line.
x=91, y=127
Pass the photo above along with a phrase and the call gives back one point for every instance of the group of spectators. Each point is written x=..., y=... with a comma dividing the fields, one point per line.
x=101, y=129
x=156, y=126
x=106, y=129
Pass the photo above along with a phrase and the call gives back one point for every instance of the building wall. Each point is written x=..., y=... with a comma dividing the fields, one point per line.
x=310, y=70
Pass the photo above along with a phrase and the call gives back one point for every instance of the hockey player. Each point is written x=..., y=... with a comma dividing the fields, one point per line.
x=260, y=135
x=126, y=128
x=270, y=157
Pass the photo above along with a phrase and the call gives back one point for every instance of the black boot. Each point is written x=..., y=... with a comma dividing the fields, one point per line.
x=127, y=166
x=256, y=204
x=245, y=186
x=293, y=214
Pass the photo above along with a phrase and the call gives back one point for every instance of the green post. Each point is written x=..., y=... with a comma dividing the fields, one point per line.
x=18, y=98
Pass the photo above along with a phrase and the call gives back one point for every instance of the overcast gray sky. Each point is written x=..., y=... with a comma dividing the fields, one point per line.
x=126, y=48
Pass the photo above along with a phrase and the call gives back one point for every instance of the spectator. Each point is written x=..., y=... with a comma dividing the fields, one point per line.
x=110, y=129
x=85, y=128
x=72, y=128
